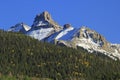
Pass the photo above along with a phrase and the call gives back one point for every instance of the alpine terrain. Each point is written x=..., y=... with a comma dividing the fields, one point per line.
x=45, y=29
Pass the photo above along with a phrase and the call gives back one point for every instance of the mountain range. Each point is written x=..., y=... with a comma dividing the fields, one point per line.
x=45, y=29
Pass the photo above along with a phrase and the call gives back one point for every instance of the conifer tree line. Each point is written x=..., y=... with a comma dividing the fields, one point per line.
x=23, y=55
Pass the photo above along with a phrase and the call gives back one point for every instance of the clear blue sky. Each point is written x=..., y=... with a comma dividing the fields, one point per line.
x=100, y=15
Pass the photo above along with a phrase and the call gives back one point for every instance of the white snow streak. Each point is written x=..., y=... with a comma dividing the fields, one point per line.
x=40, y=33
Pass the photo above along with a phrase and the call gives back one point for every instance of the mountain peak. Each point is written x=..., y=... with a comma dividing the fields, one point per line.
x=89, y=34
x=20, y=27
x=45, y=20
x=44, y=16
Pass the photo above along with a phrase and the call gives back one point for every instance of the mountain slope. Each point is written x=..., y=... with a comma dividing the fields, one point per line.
x=44, y=28
x=41, y=34
x=21, y=55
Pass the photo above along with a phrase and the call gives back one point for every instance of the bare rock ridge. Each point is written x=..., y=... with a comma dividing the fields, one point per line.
x=94, y=36
x=93, y=41
x=44, y=28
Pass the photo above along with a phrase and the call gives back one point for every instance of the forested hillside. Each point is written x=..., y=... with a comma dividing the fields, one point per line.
x=21, y=55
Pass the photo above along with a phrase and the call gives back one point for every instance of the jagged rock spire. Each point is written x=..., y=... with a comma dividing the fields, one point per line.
x=44, y=16
x=45, y=20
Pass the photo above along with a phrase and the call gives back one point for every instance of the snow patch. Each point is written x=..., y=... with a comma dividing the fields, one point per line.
x=19, y=27
x=64, y=32
x=40, y=23
x=91, y=47
x=40, y=33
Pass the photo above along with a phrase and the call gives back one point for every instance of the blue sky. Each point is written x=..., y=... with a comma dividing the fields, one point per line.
x=100, y=15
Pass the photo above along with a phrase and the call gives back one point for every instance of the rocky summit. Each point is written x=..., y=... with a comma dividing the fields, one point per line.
x=44, y=28
x=44, y=20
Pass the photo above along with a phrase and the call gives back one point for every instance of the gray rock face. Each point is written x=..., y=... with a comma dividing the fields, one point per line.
x=94, y=36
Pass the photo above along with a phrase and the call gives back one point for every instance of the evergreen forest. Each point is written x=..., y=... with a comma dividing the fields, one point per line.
x=25, y=58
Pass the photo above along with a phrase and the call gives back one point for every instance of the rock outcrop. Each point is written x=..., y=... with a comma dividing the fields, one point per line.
x=66, y=26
